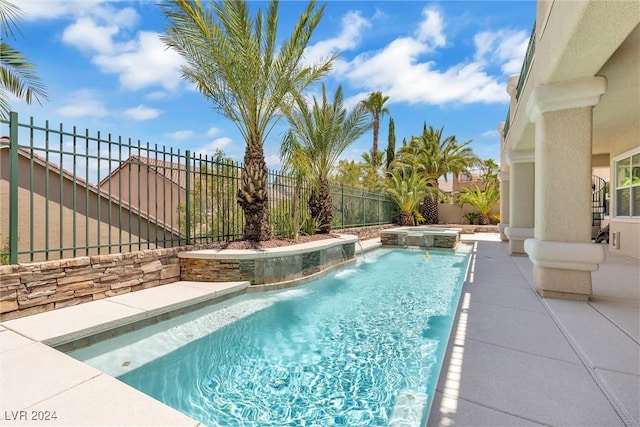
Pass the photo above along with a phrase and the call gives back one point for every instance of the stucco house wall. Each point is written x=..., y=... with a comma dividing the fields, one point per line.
x=98, y=219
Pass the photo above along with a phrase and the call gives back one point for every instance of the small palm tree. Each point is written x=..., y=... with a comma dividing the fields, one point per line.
x=407, y=188
x=482, y=200
x=319, y=133
x=375, y=106
x=17, y=75
x=235, y=61
x=294, y=163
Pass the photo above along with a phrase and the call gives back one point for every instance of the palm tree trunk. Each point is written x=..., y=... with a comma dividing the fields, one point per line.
x=252, y=194
x=321, y=206
x=430, y=207
x=406, y=218
x=430, y=210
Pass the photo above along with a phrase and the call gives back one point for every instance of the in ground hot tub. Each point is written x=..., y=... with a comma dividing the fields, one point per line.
x=427, y=236
x=268, y=267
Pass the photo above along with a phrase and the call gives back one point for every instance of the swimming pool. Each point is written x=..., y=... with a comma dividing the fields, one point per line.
x=361, y=346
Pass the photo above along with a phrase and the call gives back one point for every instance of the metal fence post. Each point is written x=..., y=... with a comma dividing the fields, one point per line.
x=364, y=209
x=342, y=209
x=187, y=209
x=13, y=188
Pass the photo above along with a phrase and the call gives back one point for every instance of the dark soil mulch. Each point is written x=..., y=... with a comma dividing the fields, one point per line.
x=273, y=243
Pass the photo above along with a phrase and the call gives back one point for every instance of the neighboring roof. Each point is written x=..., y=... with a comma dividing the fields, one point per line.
x=465, y=181
x=174, y=172
x=52, y=167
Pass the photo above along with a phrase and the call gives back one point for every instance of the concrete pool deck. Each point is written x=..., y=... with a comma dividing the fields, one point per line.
x=513, y=359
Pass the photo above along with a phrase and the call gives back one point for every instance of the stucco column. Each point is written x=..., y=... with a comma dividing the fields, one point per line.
x=503, y=177
x=521, y=200
x=561, y=251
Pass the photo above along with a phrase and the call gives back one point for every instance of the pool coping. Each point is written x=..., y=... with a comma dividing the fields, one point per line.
x=64, y=385
x=302, y=248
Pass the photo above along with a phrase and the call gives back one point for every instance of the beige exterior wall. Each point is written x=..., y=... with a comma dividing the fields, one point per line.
x=450, y=213
x=142, y=187
x=627, y=240
x=97, y=219
x=577, y=113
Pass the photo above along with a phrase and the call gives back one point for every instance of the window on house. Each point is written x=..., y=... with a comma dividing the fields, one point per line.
x=628, y=186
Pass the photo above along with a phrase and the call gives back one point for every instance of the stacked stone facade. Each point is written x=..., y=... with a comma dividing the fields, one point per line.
x=264, y=270
x=42, y=286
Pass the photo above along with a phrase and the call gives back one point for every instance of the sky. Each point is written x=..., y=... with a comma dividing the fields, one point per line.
x=444, y=63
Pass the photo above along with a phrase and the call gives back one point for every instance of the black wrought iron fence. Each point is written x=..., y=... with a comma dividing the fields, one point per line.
x=65, y=193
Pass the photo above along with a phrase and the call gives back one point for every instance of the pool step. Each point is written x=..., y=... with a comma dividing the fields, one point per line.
x=409, y=409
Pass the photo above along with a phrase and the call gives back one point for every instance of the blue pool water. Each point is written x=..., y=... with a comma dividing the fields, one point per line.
x=361, y=346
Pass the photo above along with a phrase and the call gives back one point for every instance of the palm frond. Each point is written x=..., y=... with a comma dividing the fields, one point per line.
x=18, y=77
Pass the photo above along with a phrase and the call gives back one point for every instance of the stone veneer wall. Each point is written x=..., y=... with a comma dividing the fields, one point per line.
x=441, y=241
x=261, y=271
x=42, y=286
x=31, y=288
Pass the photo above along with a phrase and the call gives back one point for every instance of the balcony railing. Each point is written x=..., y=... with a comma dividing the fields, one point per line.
x=526, y=65
x=507, y=122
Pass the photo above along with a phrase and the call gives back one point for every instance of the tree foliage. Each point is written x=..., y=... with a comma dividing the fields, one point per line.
x=17, y=74
x=320, y=131
x=482, y=200
x=408, y=188
x=235, y=60
x=375, y=106
x=391, y=143
x=436, y=156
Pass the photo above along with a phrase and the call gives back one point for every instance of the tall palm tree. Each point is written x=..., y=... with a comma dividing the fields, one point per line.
x=436, y=157
x=375, y=106
x=319, y=133
x=235, y=61
x=17, y=75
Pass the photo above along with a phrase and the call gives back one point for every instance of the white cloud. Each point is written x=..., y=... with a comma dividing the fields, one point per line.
x=145, y=62
x=140, y=61
x=125, y=18
x=218, y=143
x=104, y=10
x=430, y=29
x=141, y=113
x=352, y=26
x=490, y=133
x=213, y=131
x=86, y=34
x=273, y=162
x=398, y=71
x=181, y=135
x=53, y=9
x=157, y=95
x=504, y=47
x=83, y=103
